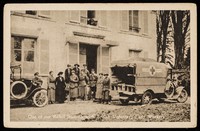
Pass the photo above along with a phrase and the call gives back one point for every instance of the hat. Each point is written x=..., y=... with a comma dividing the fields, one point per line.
x=73, y=71
x=68, y=65
x=36, y=73
x=60, y=73
x=76, y=65
x=84, y=64
x=100, y=73
x=92, y=70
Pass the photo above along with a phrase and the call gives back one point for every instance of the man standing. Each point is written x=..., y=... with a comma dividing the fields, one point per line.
x=106, y=87
x=93, y=81
x=85, y=70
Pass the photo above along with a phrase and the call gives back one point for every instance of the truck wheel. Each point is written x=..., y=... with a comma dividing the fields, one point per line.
x=40, y=98
x=147, y=97
x=183, y=96
x=124, y=102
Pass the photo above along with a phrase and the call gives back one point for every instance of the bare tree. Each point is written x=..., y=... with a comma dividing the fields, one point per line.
x=180, y=22
x=162, y=23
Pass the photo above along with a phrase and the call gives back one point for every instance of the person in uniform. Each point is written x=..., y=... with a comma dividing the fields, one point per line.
x=76, y=69
x=85, y=70
x=73, y=85
x=51, y=88
x=106, y=87
x=99, y=87
x=60, y=88
x=36, y=81
x=68, y=72
x=93, y=81
x=82, y=84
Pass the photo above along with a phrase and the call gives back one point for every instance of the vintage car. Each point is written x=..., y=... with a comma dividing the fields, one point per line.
x=22, y=91
x=143, y=79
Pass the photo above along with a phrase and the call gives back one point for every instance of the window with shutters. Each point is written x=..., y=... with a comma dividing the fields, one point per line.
x=43, y=14
x=23, y=52
x=130, y=20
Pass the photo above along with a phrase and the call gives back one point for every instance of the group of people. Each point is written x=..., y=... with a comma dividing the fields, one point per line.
x=77, y=83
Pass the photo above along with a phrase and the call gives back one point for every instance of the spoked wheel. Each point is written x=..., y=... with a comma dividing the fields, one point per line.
x=40, y=98
x=124, y=101
x=147, y=97
x=183, y=96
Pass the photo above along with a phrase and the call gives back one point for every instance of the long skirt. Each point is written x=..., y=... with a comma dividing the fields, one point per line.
x=82, y=91
x=106, y=95
x=73, y=92
x=51, y=94
x=99, y=91
x=60, y=95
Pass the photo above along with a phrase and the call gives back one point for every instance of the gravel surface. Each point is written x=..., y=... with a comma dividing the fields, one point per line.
x=91, y=111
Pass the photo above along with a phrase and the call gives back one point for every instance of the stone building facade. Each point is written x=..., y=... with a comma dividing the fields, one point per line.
x=49, y=40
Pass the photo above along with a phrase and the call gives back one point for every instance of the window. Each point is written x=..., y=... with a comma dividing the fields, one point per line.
x=31, y=12
x=134, y=20
x=23, y=49
x=84, y=17
x=134, y=53
x=130, y=20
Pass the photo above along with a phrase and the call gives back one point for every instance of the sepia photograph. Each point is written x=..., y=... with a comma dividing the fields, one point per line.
x=100, y=65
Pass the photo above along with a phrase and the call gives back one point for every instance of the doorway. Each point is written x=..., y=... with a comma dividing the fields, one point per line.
x=88, y=55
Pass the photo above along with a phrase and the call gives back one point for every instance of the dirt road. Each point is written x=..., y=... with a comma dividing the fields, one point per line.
x=91, y=111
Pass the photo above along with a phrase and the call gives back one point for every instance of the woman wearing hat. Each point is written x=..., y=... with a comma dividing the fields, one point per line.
x=99, y=87
x=60, y=88
x=51, y=88
x=73, y=85
x=76, y=69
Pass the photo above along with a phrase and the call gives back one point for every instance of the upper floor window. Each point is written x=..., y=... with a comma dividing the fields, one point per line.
x=41, y=13
x=89, y=17
x=130, y=20
x=23, y=49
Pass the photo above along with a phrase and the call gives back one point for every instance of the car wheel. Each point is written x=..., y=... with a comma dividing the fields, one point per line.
x=183, y=96
x=124, y=101
x=40, y=98
x=147, y=97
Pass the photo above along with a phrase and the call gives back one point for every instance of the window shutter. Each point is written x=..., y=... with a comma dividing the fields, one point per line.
x=105, y=59
x=103, y=18
x=73, y=53
x=145, y=16
x=44, y=56
x=44, y=14
x=74, y=16
x=135, y=19
x=124, y=20
x=83, y=16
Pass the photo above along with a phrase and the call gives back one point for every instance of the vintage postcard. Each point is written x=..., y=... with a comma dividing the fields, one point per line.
x=100, y=65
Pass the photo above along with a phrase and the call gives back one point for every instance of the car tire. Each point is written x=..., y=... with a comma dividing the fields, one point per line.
x=147, y=97
x=40, y=98
x=183, y=96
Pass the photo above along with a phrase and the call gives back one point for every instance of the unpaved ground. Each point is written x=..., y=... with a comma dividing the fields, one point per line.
x=91, y=111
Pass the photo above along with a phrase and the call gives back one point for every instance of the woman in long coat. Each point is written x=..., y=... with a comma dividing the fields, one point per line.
x=73, y=86
x=60, y=88
x=99, y=87
x=82, y=84
x=51, y=88
x=106, y=89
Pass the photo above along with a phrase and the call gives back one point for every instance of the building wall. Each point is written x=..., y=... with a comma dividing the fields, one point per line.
x=55, y=31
